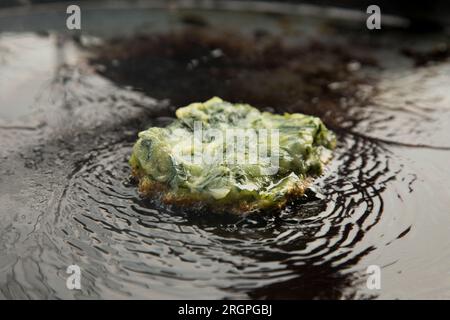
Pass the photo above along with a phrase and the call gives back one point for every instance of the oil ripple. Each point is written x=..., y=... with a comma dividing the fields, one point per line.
x=167, y=252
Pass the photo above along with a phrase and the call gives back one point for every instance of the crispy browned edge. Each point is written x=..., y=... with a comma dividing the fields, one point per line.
x=151, y=189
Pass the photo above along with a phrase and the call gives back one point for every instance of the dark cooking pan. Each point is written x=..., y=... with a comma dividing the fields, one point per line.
x=72, y=103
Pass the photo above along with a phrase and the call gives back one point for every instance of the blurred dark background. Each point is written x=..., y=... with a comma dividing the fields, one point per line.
x=423, y=15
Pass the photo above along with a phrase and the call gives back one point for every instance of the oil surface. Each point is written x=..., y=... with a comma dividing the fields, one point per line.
x=67, y=198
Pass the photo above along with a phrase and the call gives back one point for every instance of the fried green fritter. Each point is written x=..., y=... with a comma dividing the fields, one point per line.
x=231, y=156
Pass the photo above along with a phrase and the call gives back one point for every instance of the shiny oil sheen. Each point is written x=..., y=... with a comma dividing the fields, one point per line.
x=70, y=113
